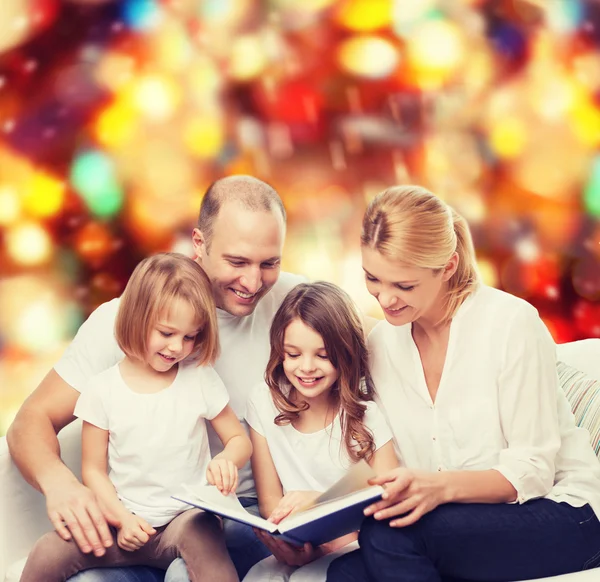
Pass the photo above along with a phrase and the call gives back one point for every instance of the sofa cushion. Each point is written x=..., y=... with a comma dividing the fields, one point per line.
x=583, y=394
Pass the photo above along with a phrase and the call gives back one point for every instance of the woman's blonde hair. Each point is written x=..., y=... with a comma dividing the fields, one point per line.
x=329, y=311
x=155, y=283
x=411, y=225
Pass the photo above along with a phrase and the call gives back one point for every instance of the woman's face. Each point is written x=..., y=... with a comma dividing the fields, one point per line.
x=405, y=293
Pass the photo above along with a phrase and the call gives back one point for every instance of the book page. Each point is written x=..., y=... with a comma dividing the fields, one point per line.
x=355, y=479
x=210, y=498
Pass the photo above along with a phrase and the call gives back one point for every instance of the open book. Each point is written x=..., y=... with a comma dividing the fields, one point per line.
x=336, y=512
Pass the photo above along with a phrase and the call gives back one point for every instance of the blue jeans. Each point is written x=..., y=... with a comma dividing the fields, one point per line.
x=244, y=547
x=487, y=543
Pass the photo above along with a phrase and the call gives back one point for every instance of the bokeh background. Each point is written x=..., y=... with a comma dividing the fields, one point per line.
x=115, y=115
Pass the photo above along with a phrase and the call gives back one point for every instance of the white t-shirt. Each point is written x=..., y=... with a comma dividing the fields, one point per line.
x=244, y=354
x=156, y=441
x=498, y=405
x=308, y=461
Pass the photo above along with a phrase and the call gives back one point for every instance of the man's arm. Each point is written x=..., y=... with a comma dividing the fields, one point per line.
x=34, y=447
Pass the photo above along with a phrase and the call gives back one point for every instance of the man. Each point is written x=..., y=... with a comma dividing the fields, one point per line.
x=238, y=242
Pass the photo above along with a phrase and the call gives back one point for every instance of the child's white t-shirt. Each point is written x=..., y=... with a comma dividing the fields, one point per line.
x=308, y=461
x=244, y=343
x=157, y=441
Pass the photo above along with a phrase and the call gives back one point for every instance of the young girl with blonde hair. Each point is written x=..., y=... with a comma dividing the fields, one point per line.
x=497, y=482
x=314, y=417
x=144, y=432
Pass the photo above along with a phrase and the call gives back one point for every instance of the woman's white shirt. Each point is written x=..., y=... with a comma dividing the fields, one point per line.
x=308, y=461
x=157, y=441
x=498, y=405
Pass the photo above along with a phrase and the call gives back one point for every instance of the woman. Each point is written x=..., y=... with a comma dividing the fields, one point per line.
x=497, y=483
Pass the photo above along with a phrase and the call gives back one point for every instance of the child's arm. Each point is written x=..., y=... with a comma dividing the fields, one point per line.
x=268, y=485
x=134, y=531
x=384, y=458
x=223, y=469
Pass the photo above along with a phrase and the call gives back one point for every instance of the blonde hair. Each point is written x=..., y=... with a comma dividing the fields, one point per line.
x=329, y=311
x=155, y=283
x=411, y=225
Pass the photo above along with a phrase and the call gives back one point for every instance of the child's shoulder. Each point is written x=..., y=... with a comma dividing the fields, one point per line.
x=260, y=394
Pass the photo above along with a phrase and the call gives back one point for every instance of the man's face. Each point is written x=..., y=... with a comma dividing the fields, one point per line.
x=243, y=258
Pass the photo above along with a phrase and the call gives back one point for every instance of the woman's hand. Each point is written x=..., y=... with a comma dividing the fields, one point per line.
x=287, y=553
x=223, y=474
x=292, y=501
x=410, y=494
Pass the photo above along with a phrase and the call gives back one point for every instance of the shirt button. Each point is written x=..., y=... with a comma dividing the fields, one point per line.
x=433, y=438
x=439, y=468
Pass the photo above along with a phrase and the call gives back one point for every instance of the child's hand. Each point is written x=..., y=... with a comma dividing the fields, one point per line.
x=223, y=474
x=292, y=501
x=134, y=533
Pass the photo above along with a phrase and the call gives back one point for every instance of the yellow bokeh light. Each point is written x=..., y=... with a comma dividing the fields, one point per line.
x=116, y=125
x=585, y=119
x=44, y=196
x=488, y=272
x=435, y=52
x=115, y=71
x=368, y=56
x=156, y=97
x=10, y=206
x=28, y=244
x=508, y=137
x=365, y=15
x=248, y=57
x=204, y=137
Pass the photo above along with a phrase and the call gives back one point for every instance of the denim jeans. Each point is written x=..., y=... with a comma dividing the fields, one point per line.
x=487, y=543
x=244, y=547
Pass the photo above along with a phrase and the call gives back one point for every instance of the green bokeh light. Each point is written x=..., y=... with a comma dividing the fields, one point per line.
x=93, y=177
x=591, y=194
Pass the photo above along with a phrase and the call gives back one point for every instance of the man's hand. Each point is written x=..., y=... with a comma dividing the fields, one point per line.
x=292, y=501
x=134, y=533
x=75, y=514
x=287, y=553
x=223, y=474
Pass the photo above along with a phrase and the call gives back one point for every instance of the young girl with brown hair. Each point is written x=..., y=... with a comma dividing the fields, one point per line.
x=144, y=432
x=314, y=417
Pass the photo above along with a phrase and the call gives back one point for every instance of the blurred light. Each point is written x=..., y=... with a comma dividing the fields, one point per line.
x=93, y=243
x=408, y=14
x=564, y=16
x=116, y=125
x=141, y=14
x=435, y=51
x=591, y=193
x=364, y=15
x=508, y=137
x=368, y=56
x=488, y=272
x=28, y=244
x=156, y=97
x=247, y=58
x=115, y=70
x=586, y=278
x=10, y=205
x=204, y=136
x=585, y=118
x=44, y=196
x=527, y=249
x=172, y=47
x=93, y=176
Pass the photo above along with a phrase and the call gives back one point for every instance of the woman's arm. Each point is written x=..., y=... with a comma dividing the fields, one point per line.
x=94, y=470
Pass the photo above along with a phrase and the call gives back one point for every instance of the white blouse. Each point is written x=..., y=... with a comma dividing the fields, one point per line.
x=498, y=405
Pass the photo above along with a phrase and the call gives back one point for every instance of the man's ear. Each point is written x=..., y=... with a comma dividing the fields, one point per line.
x=451, y=267
x=199, y=243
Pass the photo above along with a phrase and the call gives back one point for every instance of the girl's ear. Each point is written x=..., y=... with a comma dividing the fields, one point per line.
x=450, y=267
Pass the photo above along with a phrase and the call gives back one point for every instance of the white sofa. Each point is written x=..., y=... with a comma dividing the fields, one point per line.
x=22, y=509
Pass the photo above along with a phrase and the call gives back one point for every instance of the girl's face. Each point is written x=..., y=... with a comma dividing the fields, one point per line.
x=306, y=364
x=172, y=337
x=405, y=293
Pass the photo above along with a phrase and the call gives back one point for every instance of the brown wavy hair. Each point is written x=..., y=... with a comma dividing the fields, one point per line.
x=330, y=312
x=411, y=225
